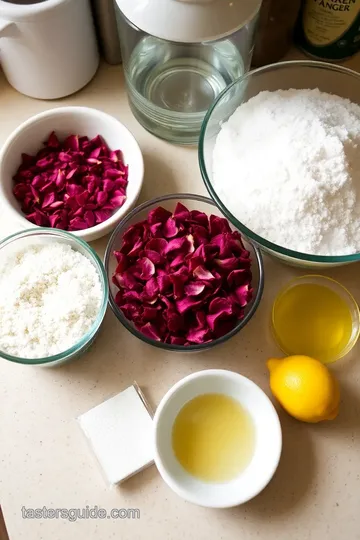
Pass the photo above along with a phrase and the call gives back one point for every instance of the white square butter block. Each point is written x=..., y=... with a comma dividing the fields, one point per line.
x=120, y=433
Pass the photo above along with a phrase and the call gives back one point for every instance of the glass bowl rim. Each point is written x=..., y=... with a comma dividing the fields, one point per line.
x=160, y=344
x=259, y=240
x=350, y=299
x=71, y=351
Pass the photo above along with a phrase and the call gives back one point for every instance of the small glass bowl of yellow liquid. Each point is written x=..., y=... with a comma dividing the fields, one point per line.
x=217, y=439
x=316, y=316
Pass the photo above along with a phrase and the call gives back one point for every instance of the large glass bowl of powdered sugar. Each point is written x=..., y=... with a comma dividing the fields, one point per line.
x=53, y=296
x=279, y=155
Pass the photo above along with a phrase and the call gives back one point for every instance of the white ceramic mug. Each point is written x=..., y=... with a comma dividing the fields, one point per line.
x=48, y=48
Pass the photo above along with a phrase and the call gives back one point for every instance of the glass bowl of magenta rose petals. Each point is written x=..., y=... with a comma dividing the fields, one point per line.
x=181, y=277
x=71, y=168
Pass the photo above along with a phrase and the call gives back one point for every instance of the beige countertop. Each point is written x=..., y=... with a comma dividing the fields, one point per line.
x=45, y=461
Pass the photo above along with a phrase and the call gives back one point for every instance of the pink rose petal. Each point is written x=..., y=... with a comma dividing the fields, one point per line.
x=194, y=288
x=152, y=288
x=181, y=213
x=53, y=141
x=199, y=335
x=150, y=331
x=169, y=228
x=144, y=268
x=202, y=273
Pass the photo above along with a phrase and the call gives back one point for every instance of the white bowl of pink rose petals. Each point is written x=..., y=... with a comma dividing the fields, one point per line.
x=71, y=168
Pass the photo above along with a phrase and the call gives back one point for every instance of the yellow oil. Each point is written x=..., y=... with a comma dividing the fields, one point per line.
x=313, y=320
x=213, y=438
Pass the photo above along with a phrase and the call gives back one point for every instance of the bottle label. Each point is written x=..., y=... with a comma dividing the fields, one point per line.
x=331, y=28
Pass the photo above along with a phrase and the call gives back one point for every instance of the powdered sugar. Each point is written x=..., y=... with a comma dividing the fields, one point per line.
x=287, y=165
x=50, y=296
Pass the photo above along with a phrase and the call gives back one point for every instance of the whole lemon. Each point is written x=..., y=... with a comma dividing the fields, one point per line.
x=305, y=388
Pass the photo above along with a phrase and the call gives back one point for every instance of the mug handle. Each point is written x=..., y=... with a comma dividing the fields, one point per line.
x=7, y=28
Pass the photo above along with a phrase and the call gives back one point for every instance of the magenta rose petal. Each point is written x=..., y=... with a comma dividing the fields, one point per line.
x=54, y=219
x=194, y=288
x=60, y=179
x=200, y=234
x=181, y=213
x=89, y=217
x=150, y=331
x=178, y=282
x=199, y=335
x=152, y=288
x=102, y=215
x=122, y=261
x=77, y=224
x=20, y=191
x=114, y=174
x=53, y=141
x=38, y=181
x=215, y=318
x=202, y=273
x=170, y=229
x=48, y=186
x=154, y=256
x=72, y=143
x=132, y=295
x=117, y=201
x=177, y=262
x=150, y=314
x=157, y=244
x=156, y=230
x=175, y=322
x=243, y=294
x=48, y=199
x=108, y=185
x=220, y=305
x=164, y=283
x=144, y=269
x=119, y=256
x=158, y=215
x=177, y=340
x=126, y=280
x=227, y=264
x=137, y=247
x=187, y=303
x=95, y=153
x=239, y=277
x=177, y=244
x=218, y=225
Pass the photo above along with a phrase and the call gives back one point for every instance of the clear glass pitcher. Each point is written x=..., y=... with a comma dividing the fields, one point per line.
x=178, y=55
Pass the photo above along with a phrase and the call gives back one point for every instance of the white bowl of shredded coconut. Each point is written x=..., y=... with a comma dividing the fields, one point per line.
x=53, y=296
x=280, y=154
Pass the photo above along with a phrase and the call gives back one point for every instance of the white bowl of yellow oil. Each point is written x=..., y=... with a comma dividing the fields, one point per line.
x=217, y=439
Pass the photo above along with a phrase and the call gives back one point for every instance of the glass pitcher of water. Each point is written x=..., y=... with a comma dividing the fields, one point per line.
x=178, y=55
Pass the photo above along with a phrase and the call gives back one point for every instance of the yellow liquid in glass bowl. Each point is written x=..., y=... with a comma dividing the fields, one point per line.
x=312, y=319
x=213, y=438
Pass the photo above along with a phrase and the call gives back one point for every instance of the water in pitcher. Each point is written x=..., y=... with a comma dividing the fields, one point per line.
x=171, y=85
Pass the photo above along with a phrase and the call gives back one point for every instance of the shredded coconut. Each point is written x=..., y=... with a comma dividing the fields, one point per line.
x=287, y=165
x=50, y=296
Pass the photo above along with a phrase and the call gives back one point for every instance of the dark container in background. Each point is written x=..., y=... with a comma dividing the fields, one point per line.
x=275, y=30
x=107, y=30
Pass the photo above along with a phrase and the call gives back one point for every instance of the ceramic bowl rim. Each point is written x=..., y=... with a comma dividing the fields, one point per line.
x=171, y=393
x=103, y=227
